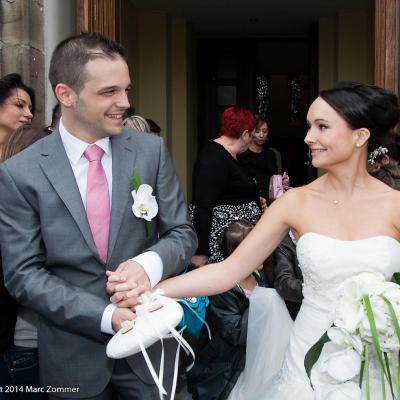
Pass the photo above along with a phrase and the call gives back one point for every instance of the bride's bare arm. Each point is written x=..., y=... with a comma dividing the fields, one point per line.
x=258, y=245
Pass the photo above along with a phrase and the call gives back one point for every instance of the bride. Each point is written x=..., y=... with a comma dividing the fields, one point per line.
x=345, y=222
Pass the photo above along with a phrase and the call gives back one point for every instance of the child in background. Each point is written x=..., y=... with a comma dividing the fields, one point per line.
x=221, y=360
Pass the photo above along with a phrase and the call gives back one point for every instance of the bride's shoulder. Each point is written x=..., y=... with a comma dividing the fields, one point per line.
x=302, y=192
x=394, y=197
x=393, y=207
x=294, y=196
x=384, y=190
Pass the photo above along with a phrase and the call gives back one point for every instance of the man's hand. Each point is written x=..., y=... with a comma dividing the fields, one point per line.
x=198, y=260
x=127, y=282
x=120, y=315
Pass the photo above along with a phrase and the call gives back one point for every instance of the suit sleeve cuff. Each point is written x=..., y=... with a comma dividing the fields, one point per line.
x=106, y=319
x=152, y=264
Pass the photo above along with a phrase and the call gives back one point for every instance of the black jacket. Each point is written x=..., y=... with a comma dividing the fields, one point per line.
x=260, y=167
x=222, y=359
x=217, y=179
x=288, y=279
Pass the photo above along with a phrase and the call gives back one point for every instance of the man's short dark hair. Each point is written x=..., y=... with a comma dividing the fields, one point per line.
x=70, y=57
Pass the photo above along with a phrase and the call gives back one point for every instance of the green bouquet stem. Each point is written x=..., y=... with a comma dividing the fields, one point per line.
x=366, y=350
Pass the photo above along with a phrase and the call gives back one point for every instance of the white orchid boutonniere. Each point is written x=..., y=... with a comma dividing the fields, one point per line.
x=144, y=203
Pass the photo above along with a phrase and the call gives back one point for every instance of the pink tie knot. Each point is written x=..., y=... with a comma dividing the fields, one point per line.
x=94, y=153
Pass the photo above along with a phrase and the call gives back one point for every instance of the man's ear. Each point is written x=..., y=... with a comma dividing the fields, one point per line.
x=362, y=136
x=65, y=95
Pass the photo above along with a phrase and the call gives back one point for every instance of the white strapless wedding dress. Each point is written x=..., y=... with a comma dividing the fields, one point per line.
x=325, y=263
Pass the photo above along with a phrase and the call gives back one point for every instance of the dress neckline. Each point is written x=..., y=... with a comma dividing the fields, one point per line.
x=347, y=241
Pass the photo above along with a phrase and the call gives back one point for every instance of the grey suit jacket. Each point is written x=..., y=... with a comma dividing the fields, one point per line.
x=50, y=260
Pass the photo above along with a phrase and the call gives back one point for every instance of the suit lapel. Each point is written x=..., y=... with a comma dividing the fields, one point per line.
x=123, y=161
x=57, y=168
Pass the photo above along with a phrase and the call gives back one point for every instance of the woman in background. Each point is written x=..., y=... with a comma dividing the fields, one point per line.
x=137, y=122
x=17, y=105
x=259, y=161
x=222, y=191
x=19, y=364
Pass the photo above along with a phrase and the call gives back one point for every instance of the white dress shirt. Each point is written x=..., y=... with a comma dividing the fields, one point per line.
x=74, y=147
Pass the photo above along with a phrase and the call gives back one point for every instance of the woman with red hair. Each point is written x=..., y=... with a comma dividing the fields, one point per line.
x=222, y=192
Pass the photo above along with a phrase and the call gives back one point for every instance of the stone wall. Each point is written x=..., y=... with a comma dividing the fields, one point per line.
x=22, y=46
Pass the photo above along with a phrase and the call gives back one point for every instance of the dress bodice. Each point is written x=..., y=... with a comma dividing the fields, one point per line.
x=326, y=262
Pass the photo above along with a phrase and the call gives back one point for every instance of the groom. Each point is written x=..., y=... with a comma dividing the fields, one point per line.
x=66, y=217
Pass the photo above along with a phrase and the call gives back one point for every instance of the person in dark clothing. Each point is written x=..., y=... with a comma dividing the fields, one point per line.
x=9, y=309
x=19, y=362
x=222, y=359
x=288, y=279
x=258, y=161
x=221, y=189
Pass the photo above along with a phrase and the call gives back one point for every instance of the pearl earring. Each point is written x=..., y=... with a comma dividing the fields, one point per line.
x=358, y=144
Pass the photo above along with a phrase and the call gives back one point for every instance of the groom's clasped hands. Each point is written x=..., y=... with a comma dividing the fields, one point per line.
x=124, y=285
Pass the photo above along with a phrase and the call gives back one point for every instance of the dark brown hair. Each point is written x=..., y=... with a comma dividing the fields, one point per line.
x=233, y=235
x=366, y=106
x=22, y=138
x=70, y=57
x=9, y=83
x=260, y=121
x=388, y=172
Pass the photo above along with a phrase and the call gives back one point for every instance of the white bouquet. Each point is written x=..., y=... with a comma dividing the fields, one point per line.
x=365, y=327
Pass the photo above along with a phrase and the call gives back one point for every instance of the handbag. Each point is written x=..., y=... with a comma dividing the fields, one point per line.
x=194, y=313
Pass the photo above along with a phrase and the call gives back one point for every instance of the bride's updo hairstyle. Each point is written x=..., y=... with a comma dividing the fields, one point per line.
x=366, y=106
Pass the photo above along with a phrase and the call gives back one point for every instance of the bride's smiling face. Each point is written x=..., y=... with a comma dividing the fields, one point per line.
x=329, y=137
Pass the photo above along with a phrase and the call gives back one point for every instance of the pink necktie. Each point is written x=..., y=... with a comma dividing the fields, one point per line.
x=98, y=200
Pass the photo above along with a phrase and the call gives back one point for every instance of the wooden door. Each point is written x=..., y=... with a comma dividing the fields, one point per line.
x=387, y=44
x=98, y=16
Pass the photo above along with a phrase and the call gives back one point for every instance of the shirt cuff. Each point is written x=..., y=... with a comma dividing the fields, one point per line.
x=106, y=319
x=152, y=265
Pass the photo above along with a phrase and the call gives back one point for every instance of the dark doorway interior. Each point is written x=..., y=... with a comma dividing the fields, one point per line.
x=231, y=72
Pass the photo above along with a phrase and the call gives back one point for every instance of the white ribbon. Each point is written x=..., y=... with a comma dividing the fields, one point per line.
x=150, y=302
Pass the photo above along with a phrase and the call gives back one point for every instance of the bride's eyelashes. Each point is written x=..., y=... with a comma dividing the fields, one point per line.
x=320, y=126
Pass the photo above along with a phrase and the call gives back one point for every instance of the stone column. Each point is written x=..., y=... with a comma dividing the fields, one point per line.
x=22, y=46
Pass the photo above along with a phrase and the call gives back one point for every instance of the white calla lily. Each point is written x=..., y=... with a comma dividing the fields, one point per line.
x=392, y=292
x=144, y=203
x=381, y=316
x=351, y=290
x=349, y=314
x=370, y=282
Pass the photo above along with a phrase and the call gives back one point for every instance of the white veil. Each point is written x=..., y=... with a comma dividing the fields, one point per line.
x=268, y=333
